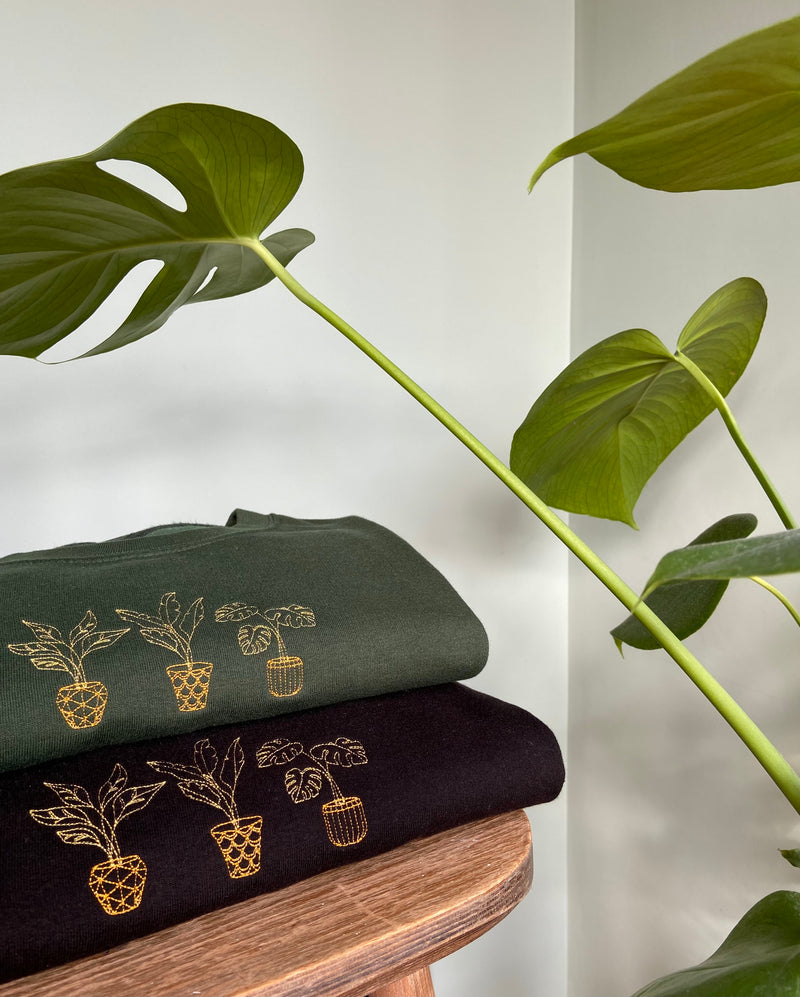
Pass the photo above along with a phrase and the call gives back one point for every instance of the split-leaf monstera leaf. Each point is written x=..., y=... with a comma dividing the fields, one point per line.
x=70, y=231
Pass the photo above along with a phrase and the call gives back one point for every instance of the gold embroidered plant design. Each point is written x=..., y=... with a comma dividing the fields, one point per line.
x=345, y=820
x=175, y=631
x=81, y=703
x=284, y=672
x=238, y=838
x=117, y=883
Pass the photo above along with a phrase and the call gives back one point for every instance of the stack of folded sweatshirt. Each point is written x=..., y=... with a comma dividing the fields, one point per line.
x=212, y=713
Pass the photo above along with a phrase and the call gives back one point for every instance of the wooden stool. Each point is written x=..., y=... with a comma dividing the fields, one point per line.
x=372, y=927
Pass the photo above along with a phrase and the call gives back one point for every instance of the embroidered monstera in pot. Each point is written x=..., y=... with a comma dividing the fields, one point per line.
x=344, y=816
x=175, y=631
x=285, y=671
x=117, y=883
x=81, y=702
x=238, y=838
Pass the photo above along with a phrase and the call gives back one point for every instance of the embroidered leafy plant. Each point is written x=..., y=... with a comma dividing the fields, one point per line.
x=79, y=820
x=257, y=637
x=50, y=651
x=304, y=783
x=344, y=816
x=206, y=781
x=171, y=628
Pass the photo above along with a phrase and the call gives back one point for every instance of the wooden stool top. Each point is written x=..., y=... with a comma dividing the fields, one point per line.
x=347, y=931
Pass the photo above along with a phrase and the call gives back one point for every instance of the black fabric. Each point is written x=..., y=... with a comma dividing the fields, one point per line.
x=405, y=765
x=186, y=627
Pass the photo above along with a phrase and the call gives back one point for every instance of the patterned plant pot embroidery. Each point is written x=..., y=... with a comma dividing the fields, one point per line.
x=238, y=838
x=118, y=882
x=284, y=672
x=81, y=702
x=175, y=631
x=344, y=816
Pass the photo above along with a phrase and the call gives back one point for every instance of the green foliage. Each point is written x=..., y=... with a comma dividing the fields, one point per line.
x=759, y=958
x=773, y=554
x=685, y=605
x=70, y=231
x=730, y=120
x=602, y=427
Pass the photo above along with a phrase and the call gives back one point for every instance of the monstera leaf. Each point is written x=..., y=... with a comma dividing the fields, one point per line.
x=730, y=120
x=685, y=606
x=70, y=231
x=599, y=431
x=759, y=958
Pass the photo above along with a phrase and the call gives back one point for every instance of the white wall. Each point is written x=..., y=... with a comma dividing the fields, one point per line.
x=674, y=828
x=420, y=123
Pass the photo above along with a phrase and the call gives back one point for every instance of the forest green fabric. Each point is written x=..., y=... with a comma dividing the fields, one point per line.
x=184, y=627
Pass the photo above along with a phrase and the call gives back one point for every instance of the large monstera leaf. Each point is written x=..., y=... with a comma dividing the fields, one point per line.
x=731, y=120
x=599, y=431
x=70, y=231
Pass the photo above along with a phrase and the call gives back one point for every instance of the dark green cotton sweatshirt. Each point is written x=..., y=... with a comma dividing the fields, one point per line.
x=184, y=627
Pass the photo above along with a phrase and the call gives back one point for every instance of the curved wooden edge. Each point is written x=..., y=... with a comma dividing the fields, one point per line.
x=344, y=932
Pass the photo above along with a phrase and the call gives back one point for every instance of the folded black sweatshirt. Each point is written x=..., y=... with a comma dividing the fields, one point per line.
x=185, y=627
x=115, y=843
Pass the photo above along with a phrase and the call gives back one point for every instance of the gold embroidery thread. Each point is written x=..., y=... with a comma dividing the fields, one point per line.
x=175, y=631
x=118, y=882
x=82, y=702
x=285, y=671
x=344, y=816
x=238, y=838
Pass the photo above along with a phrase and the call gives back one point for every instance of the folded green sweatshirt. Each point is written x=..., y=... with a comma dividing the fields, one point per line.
x=184, y=627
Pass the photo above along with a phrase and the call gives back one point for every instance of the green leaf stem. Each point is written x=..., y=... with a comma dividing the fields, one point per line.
x=730, y=120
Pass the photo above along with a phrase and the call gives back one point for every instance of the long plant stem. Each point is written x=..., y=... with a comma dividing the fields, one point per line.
x=778, y=595
x=736, y=434
x=779, y=770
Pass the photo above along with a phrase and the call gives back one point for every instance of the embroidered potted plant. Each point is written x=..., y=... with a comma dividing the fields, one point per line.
x=118, y=882
x=344, y=816
x=284, y=671
x=81, y=702
x=175, y=631
x=238, y=838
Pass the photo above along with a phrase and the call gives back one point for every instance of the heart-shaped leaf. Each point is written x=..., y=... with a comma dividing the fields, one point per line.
x=759, y=958
x=600, y=430
x=772, y=554
x=685, y=606
x=730, y=120
x=70, y=231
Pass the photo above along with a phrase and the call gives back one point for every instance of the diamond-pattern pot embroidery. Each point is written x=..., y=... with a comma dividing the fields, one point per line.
x=81, y=702
x=118, y=882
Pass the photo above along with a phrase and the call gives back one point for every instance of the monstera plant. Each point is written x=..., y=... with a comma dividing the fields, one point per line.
x=70, y=231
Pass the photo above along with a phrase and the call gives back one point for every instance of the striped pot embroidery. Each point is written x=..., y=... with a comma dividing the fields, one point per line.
x=344, y=816
x=284, y=671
